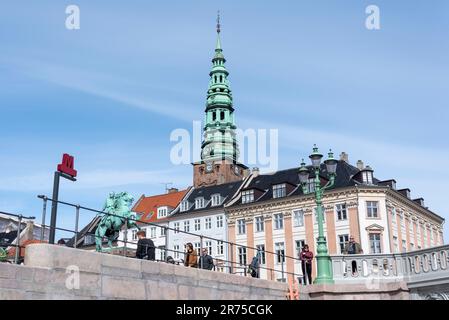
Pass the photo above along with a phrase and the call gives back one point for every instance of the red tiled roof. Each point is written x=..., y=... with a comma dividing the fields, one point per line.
x=147, y=206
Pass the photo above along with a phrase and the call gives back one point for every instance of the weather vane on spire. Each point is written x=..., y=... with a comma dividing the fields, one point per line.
x=218, y=21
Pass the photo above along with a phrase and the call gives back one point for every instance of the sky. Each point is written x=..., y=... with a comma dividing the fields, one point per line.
x=112, y=92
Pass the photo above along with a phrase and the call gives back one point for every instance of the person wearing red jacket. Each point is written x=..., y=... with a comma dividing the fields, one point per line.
x=306, y=258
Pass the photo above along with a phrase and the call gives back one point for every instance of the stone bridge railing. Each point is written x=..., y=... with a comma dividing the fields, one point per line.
x=419, y=269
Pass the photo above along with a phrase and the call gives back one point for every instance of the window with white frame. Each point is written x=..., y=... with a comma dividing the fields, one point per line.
x=278, y=221
x=163, y=231
x=404, y=245
x=280, y=252
x=261, y=248
x=311, y=185
x=199, y=203
x=393, y=215
x=279, y=190
x=208, y=223
x=343, y=239
x=197, y=224
x=241, y=226
x=162, y=253
x=299, y=244
x=367, y=177
x=372, y=209
x=153, y=232
x=259, y=224
x=247, y=196
x=134, y=234
x=184, y=205
x=176, y=227
x=242, y=256
x=197, y=247
x=216, y=199
x=220, y=247
x=162, y=212
x=298, y=218
x=412, y=246
x=208, y=246
x=395, y=244
x=219, y=221
x=176, y=251
x=374, y=243
x=342, y=213
x=187, y=226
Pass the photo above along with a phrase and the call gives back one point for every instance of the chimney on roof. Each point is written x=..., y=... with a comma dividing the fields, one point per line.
x=255, y=172
x=344, y=157
x=360, y=165
x=172, y=190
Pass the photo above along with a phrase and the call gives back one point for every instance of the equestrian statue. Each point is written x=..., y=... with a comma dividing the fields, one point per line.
x=117, y=214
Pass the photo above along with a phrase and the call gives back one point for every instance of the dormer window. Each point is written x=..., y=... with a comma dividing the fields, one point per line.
x=247, y=196
x=184, y=205
x=216, y=199
x=367, y=175
x=162, y=212
x=199, y=203
x=311, y=185
x=279, y=190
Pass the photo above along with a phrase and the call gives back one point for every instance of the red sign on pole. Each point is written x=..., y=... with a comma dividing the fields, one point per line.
x=66, y=165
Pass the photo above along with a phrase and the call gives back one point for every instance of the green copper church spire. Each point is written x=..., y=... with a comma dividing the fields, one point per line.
x=219, y=137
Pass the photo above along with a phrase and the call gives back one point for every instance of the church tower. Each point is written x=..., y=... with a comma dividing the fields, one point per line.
x=219, y=149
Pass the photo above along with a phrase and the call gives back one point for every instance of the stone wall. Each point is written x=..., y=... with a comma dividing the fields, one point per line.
x=47, y=274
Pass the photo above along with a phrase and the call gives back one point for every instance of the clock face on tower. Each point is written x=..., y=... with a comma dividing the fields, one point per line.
x=208, y=167
x=236, y=170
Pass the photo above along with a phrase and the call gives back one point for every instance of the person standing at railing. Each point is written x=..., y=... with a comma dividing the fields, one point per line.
x=191, y=258
x=353, y=247
x=254, y=267
x=145, y=247
x=206, y=261
x=306, y=258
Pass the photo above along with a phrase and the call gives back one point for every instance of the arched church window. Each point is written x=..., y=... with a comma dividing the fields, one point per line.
x=222, y=115
x=214, y=116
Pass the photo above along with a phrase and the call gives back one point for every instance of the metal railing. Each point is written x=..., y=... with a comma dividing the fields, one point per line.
x=230, y=266
x=411, y=267
x=17, y=244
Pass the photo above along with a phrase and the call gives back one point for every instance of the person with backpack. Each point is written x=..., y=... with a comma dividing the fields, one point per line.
x=145, y=247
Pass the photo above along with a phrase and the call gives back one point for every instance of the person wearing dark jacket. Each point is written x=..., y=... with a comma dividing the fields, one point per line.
x=306, y=258
x=145, y=247
x=206, y=261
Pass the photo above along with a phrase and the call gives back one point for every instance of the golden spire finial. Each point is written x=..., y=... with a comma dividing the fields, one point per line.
x=218, y=21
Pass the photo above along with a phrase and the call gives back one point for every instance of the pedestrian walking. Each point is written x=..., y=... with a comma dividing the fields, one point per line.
x=145, y=247
x=191, y=258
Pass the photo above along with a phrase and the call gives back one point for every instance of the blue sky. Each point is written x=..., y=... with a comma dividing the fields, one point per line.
x=112, y=92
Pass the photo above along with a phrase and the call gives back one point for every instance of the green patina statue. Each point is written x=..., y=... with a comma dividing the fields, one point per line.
x=118, y=206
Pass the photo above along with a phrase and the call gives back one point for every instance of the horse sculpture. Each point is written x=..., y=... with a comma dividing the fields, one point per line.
x=117, y=209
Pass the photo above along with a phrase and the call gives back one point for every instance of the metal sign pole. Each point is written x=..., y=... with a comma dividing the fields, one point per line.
x=44, y=212
x=54, y=208
x=76, y=225
x=19, y=227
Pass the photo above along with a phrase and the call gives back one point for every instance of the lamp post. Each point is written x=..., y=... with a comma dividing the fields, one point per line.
x=324, y=265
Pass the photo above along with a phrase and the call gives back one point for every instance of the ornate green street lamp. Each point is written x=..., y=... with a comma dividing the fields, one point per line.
x=324, y=265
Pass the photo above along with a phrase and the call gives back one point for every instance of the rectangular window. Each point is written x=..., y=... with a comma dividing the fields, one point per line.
x=197, y=224
x=342, y=213
x=134, y=234
x=219, y=221
x=374, y=243
x=343, y=239
x=311, y=185
x=153, y=232
x=299, y=244
x=278, y=221
x=216, y=200
x=197, y=247
x=259, y=224
x=298, y=218
x=162, y=253
x=412, y=246
x=372, y=209
x=404, y=245
x=220, y=247
x=242, y=256
x=199, y=203
x=162, y=212
x=208, y=246
x=187, y=226
x=241, y=226
x=176, y=251
x=247, y=196
x=184, y=205
x=395, y=244
x=280, y=252
x=261, y=249
x=279, y=190
x=176, y=227
x=163, y=231
x=208, y=223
